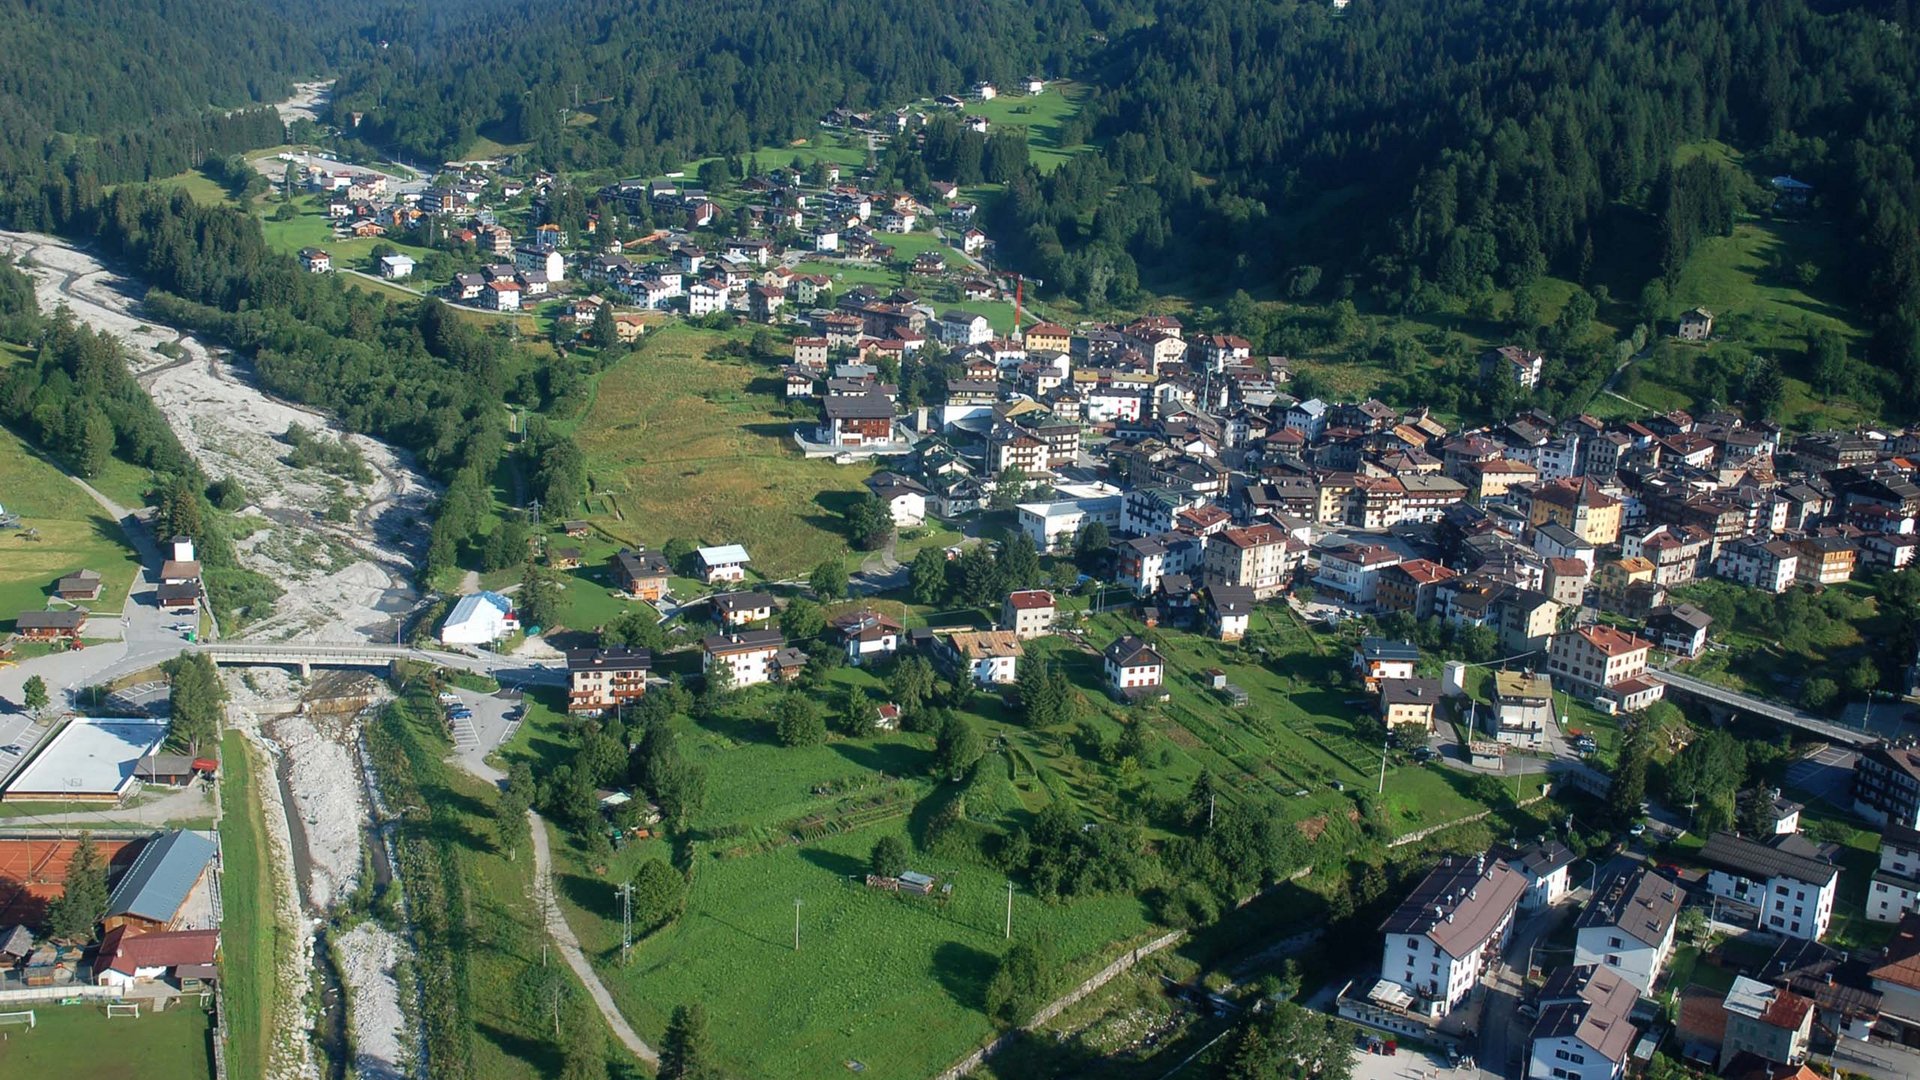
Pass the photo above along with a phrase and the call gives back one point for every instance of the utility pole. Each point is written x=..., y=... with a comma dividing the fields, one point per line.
x=1383, y=768
x=1009, y=909
x=626, y=921
x=1212, y=798
x=796, y=924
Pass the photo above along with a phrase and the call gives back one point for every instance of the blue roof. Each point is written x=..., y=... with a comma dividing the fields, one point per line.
x=159, y=880
x=471, y=602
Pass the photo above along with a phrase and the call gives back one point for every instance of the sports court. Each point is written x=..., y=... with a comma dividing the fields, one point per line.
x=34, y=872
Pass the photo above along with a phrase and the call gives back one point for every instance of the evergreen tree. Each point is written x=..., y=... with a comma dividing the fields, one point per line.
x=537, y=603
x=957, y=747
x=797, y=720
x=686, y=1051
x=83, y=901
x=928, y=576
x=829, y=579
x=889, y=856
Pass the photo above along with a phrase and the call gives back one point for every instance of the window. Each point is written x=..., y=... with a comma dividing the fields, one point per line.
x=1561, y=1054
x=1613, y=960
x=1433, y=969
x=1614, y=943
x=1780, y=889
x=1778, y=921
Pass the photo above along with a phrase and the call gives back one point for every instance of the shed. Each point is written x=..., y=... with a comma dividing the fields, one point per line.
x=155, y=887
x=914, y=881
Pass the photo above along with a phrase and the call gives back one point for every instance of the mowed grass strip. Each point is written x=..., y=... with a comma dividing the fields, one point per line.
x=691, y=448
x=251, y=939
x=74, y=534
x=78, y=1042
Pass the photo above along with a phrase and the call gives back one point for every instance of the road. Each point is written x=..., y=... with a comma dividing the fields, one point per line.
x=1770, y=710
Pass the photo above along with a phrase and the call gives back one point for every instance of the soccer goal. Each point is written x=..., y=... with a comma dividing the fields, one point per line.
x=23, y=1017
x=123, y=1008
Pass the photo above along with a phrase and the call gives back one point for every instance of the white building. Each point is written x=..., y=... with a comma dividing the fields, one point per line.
x=728, y=562
x=705, y=299
x=1546, y=867
x=1352, y=571
x=1449, y=930
x=904, y=498
x=989, y=657
x=480, y=618
x=1784, y=886
x=1133, y=667
x=747, y=654
x=1052, y=526
x=1896, y=884
x=1628, y=927
x=394, y=267
x=1583, y=1032
x=548, y=262
x=962, y=328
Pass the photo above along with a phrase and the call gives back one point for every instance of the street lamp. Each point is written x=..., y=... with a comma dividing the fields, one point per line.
x=1593, y=874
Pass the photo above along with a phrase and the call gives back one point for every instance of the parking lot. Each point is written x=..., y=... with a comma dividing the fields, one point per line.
x=1826, y=775
x=495, y=717
x=18, y=736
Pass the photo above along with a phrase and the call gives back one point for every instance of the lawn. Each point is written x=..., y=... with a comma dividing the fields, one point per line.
x=681, y=443
x=252, y=939
x=74, y=534
x=78, y=1042
x=1042, y=115
x=311, y=228
x=204, y=189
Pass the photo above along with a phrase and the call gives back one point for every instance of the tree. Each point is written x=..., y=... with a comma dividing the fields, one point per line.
x=979, y=577
x=927, y=576
x=686, y=1051
x=657, y=892
x=1827, y=363
x=1021, y=983
x=889, y=856
x=1091, y=545
x=196, y=699
x=33, y=694
x=1818, y=693
x=1756, y=811
x=605, y=333
x=956, y=747
x=681, y=790
x=584, y=1049
x=83, y=901
x=537, y=602
x=1045, y=694
x=1019, y=564
x=869, y=524
x=1630, y=779
x=1863, y=677
x=829, y=579
x=510, y=811
x=803, y=620
x=912, y=682
x=1287, y=1042
x=549, y=987
x=797, y=720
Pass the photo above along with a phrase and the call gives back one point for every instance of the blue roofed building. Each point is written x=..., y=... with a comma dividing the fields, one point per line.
x=152, y=892
x=480, y=618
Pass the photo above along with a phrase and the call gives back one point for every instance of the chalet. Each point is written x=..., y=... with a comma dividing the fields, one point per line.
x=904, y=498
x=747, y=655
x=602, y=679
x=77, y=586
x=129, y=957
x=854, y=420
x=1409, y=702
x=564, y=558
x=868, y=634
x=990, y=657
x=1133, y=668
x=726, y=562
x=641, y=574
x=1378, y=659
x=50, y=625
x=733, y=609
x=315, y=261
x=1679, y=628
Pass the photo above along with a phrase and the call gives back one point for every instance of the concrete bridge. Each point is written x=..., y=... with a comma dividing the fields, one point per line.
x=305, y=657
x=1716, y=696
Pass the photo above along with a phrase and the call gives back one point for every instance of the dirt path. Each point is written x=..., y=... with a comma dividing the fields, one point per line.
x=570, y=945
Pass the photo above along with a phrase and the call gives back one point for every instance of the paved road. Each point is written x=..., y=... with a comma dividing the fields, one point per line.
x=570, y=946
x=1771, y=710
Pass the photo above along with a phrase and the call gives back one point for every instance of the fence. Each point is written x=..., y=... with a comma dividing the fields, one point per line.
x=62, y=993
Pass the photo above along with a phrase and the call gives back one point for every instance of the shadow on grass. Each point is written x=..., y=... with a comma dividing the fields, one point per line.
x=592, y=895
x=963, y=972
x=845, y=866
x=894, y=759
x=535, y=1052
x=782, y=946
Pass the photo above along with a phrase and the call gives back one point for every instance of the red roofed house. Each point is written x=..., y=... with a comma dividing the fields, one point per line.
x=1609, y=665
x=1028, y=613
x=1259, y=557
x=130, y=957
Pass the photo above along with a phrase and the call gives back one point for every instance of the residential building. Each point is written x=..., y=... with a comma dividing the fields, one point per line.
x=1606, y=665
x=1578, y=504
x=1895, y=891
x=1696, y=325
x=1584, y=1031
x=1766, y=1021
x=1352, y=572
x=1028, y=613
x=1133, y=668
x=1784, y=885
x=726, y=562
x=395, y=267
x=1522, y=707
x=1229, y=608
x=1679, y=628
x=1522, y=366
x=1628, y=926
x=854, y=420
x=1555, y=541
x=1826, y=560
x=1545, y=866
x=1886, y=786
x=50, y=625
x=1411, y=586
x=480, y=618
x=641, y=574
x=1378, y=659
x=1567, y=581
x=602, y=679
x=989, y=657
x=1405, y=702
x=1258, y=557
x=905, y=498
x=1494, y=481
x=747, y=655
x=1448, y=931
x=129, y=958
x=735, y=609
x=545, y=261
x=868, y=634
x=1052, y=526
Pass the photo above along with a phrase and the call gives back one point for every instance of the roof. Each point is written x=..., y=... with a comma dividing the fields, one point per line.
x=743, y=641
x=50, y=620
x=1423, y=571
x=469, y=607
x=614, y=658
x=1902, y=963
x=1379, y=648
x=1752, y=859
x=1253, y=536
x=1229, y=599
x=1609, y=1033
x=723, y=555
x=986, y=644
x=1687, y=614
x=640, y=564
x=741, y=601
x=1539, y=860
x=1029, y=599
x=868, y=406
x=126, y=952
x=1610, y=641
x=159, y=880
x=1640, y=903
x=1459, y=904
x=1409, y=692
x=1767, y=1004
x=1522, y=686
x=1131, y=651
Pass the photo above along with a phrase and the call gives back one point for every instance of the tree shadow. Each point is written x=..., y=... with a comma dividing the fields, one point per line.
x=894, y=759
x=963, y=972
x=843, y=866
x=743, y=932
x=535, y=1052
x=591, y=895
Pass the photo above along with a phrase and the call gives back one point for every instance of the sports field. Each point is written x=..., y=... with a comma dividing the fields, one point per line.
x=78, y=1042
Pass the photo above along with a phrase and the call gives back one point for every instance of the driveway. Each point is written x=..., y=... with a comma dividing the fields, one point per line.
x=1826, y=774
x=495, y=718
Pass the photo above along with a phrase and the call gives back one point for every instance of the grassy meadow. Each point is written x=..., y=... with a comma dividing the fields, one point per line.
x=253, y=940
x=74, y=534
x=78, y=1042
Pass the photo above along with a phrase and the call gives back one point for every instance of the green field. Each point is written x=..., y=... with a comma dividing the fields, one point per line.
x=311, y=228
x=78, y=1042
x=252, y=939
x=686, y=446
x=74, y=534
x=1041, y=114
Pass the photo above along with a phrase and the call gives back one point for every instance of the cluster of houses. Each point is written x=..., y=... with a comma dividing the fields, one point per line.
x=178, y=592
x=1599, y=1016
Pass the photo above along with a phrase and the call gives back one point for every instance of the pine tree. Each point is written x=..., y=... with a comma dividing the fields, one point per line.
x=83, y=901
x=686, y=1052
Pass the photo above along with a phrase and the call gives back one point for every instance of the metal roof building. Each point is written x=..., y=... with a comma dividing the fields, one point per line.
x=157, y=884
